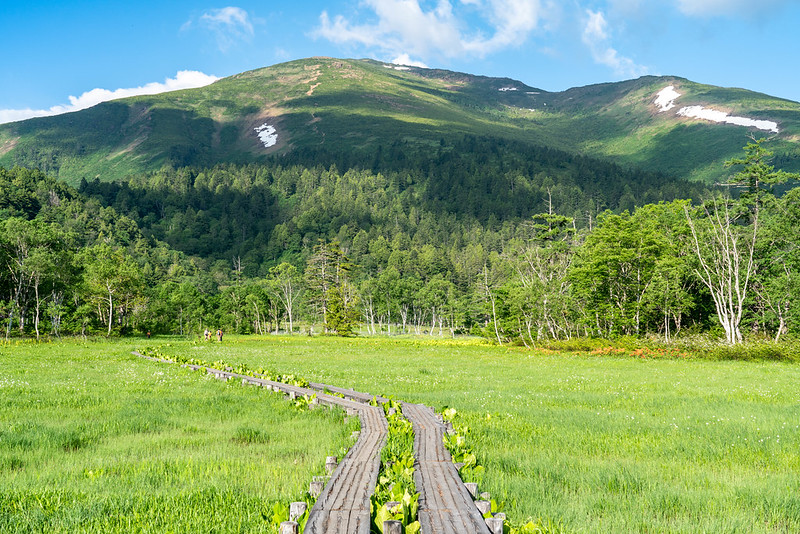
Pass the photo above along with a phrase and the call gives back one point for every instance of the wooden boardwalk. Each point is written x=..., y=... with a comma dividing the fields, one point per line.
x=445, y=504
x=348, y=393
x=343, y=506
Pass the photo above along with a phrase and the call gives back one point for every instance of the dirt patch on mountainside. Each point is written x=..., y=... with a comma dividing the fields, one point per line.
x=346, y=70
x=127, y=149
x=315, y=74
x=8, y=145
x=136, y=127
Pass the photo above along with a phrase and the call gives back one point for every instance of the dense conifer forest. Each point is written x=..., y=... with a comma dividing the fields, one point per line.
x=517, y=243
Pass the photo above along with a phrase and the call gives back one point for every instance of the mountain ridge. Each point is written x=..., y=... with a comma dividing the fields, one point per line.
x=359, y=105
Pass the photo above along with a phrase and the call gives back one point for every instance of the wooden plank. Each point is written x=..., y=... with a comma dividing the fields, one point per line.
x=343, y=506
x=322, y=398
x=348, y=393
x=445, y=504
x=135, y=353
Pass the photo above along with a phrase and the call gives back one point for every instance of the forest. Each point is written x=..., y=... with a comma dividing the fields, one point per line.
x=519, y=244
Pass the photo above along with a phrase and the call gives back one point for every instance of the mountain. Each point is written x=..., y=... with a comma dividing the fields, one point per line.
x=357, y=107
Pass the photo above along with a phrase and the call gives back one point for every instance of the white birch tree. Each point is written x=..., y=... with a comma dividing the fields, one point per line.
x=725, y=252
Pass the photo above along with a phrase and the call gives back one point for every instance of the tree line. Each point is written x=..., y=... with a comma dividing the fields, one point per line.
x=260, y=249
x=277, y=211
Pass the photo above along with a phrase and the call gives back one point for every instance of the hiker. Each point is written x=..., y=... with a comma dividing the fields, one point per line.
x=219, y=335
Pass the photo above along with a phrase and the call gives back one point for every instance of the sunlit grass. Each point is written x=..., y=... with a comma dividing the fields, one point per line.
x=94, y=439
x=598, y=444
x=594, y=443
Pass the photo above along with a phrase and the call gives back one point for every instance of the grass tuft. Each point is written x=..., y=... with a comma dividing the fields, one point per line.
x=249, y=435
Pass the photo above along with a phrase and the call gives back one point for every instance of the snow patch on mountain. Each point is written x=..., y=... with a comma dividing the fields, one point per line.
x=268, y=134
x=508, y=89
x=699, y=112
x=665, y=99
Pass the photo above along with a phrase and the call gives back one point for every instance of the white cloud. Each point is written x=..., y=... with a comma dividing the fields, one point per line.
x=407, y=27
x=597, y=38
x=185, y=79
x=232, y=17
x=228, y=24
x=405, y=59
x=402, y=27
x=513, y=21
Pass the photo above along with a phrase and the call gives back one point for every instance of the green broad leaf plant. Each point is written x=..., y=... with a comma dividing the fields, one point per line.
x=396, y=477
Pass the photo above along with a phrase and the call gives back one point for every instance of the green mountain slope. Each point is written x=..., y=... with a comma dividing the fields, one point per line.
x=356, y=106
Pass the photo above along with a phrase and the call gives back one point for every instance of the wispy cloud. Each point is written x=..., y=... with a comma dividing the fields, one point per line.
x=596, y=37
x=229, y=25
x=407, y=28
x=185, y=79
x=512, y=20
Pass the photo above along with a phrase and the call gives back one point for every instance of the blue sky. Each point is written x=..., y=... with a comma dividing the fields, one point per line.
x=61, y=56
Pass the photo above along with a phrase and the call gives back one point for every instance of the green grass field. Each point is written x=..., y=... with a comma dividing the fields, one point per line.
x=93, y=439
x=597, y=444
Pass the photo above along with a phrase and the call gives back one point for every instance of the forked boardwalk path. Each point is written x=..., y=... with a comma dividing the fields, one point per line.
x=446, y=506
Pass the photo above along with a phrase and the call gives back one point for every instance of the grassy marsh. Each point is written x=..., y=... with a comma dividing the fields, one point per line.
x=94, y=439
x=593, y=443
x=598, y=444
